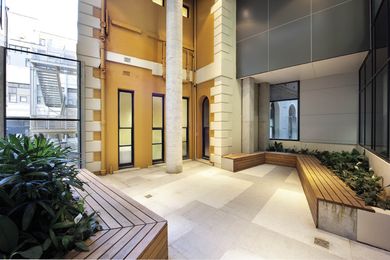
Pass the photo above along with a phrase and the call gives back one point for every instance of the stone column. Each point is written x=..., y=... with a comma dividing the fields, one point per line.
x=174, y=87
x=264, y=116
x=250, y=116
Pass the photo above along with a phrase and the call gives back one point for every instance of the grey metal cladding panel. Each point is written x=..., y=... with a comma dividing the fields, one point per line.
x=289, y=44
x=283, y=11
x=322, y=4
x=252, y=17
x=341, y=30
x=252, y=55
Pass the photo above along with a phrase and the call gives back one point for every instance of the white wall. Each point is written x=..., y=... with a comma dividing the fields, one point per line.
x=329, y=109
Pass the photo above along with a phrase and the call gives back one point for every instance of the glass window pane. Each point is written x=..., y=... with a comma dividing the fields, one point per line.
x=157, y=151
x=362, y=73
x=368, y=116
x=184, y=149
x=380, y=36
x=158, y=111
x=284, y=120
x=381, y=116
x=368, y=67
x=284, y=91
x=125, y=155
x=184, y=112
x=159, y=2
x=185, y=11
x=184, y=134
x=64, y=133
x=125, y=109
x=125, y=137
x=361, y=120
x=41, y=86
x=157, y=136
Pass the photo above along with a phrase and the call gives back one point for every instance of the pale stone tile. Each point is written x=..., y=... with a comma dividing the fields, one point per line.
x=213, y=213
x=240, y=254
x=259, y=171
x=287, y=213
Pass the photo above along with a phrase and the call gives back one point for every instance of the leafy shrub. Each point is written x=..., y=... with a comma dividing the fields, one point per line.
x=352, y=168
x=39, y=214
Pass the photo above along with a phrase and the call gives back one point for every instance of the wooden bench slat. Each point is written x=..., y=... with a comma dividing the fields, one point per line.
x=111, y=207
x=136, y=208
x=146, y=241
x=98, y=252
x=120, y=205
x=335, y=184
x=90, y=210
x=129, y=247
x=328, y=193
x=96, y=244
x=101, y=211
x=313, y=183
x=121, y=244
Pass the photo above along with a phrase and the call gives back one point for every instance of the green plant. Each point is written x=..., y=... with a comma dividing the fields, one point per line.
x=352, y=168
x=39, y=214
x=276, y=147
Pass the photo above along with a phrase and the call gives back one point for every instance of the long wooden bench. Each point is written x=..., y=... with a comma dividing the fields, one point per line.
x=241, y=161
x=129, y=230
x=321, y=184
x=329, y=198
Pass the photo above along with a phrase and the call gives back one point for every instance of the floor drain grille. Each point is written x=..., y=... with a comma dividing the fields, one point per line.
x=148, y=196
x=321, y=242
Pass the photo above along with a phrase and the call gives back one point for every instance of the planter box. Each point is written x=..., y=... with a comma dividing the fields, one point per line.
x=374, y=228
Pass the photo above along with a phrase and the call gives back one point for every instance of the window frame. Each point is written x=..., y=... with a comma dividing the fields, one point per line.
x=126, y=165
x=187, y=156
x=298, y=112
x=372, y=81
x=78, y=120
x=162, y=129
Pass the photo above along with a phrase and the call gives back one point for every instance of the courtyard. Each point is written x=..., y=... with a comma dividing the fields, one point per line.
x=257, y=213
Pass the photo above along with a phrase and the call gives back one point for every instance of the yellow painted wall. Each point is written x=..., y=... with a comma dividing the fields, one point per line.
x=204, y=33
x=144, y=85
x=137, y=28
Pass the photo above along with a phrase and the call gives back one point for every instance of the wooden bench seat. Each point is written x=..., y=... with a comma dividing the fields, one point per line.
x=320, y=183
x=129, y=230
x=242, y=161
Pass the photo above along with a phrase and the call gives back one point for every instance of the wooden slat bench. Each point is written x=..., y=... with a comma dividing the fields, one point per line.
x=241, y=161
x=321, y=184
x=129, y=230
x=332, y=203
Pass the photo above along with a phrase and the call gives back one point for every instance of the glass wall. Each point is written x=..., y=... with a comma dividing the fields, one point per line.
x=374, y=85
x=284, y=111
x=42, y=97
x=126, y=128
x=158, y=129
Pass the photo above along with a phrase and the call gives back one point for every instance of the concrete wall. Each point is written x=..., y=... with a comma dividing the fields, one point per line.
x=329, y=109
x=302, y=30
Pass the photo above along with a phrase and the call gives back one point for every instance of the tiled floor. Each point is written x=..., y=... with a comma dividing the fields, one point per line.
x=259, y=213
